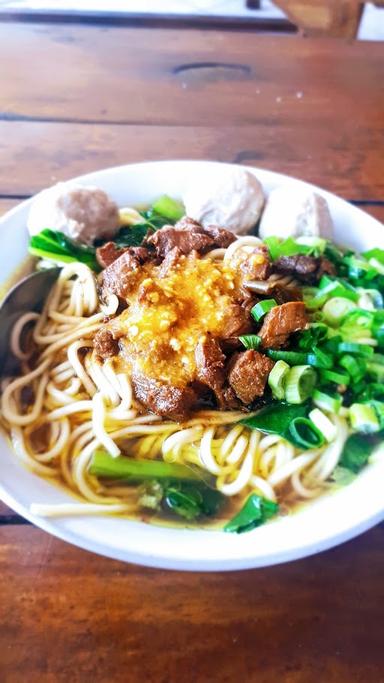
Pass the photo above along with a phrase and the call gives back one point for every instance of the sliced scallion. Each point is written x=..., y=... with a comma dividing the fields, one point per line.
x=319, y=359
x=260, y=309
x=332, y=376
x=250, y=341
x=353, y=347
x=363, y=418
x=300, y=383
x=323, y=424
x=304, y=434
x=277, y=378
x=376, y=370
x=290, y=357
x=336, y=309
x=355, y=368
x=329, y=403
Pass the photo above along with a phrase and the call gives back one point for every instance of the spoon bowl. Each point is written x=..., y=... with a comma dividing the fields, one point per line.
x=27, y=295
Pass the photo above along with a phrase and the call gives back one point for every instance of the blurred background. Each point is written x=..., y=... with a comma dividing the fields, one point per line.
x=344, y=18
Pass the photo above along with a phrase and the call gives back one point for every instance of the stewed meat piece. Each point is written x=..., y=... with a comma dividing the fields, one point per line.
x=164, y=399
x=210, y=363
x=188, y=235
x=308, y=269
x=280, y=322
x=257, y=264
x=248, y=375
x=119, y=276
x=105, y=343
x=221, y=237
x=169, y=237
x=107, y=254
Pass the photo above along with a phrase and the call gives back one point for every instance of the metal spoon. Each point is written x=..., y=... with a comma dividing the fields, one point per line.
x=27, y=295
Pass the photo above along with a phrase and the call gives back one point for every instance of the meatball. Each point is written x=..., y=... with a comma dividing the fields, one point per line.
x=83, y=213
x=227, y=196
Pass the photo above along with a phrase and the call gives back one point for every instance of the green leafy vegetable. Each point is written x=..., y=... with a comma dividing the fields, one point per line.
x=131, y=236
x=55, y=246
x=131, y=470
x=375, y=253
x=288, y=247
x=153, y=219
x=191, y=501
x=255, y=511
x=170, y=208
x=356, y=451
x=168, y=486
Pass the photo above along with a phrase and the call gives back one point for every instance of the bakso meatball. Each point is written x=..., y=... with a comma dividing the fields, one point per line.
x=83, y=213
x=230, y=197
x=292, y=212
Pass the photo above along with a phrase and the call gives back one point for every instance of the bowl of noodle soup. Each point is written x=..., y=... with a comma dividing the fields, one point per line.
x=72, y=315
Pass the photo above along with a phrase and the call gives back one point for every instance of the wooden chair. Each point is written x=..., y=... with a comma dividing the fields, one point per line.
x=337, y=18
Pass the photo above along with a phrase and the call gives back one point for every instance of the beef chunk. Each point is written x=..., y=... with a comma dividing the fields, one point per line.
x=307, y=269
x=257, y=264
x=117, y=278
x=107, y=254
x=227, y=399
x=164, y=399
x=283, y=294
x=326, y=267
x=169, y=237
x=238, y=322
x=210, y=362
x=248, y=375
x=187, y=223
x=169, y=262
x=188, y=235
x=105, y=344
x=280, y=322
x=222, y=237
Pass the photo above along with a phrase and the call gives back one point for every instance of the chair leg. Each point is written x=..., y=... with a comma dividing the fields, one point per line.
x=337, y=19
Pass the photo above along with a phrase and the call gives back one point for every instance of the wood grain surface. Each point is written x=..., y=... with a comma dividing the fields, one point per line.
x=349, y=164
x=70, y=616
x=77, y=98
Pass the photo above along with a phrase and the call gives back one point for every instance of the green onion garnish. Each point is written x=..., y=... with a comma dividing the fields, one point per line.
x=290, y=357
x=304, y=434
x=363, y=418
x=355, y=367
x=323, y=424
x=250, y=341
x=319, y=359
x=300, y=383
x=261, y=308
x=277, y=378
x=332, y=376
x=329, y=403
x=336, y=309
x=376, y=370
x=353, y=347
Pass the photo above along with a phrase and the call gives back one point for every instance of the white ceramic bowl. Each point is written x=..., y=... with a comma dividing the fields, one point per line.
x=321, y=524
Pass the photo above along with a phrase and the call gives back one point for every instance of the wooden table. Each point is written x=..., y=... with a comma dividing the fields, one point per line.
x=76, y=99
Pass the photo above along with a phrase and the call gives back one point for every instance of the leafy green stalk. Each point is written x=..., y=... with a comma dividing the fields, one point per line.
x=131, y=470
x=55, y=246
x=255, y=511
x=356, y=451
